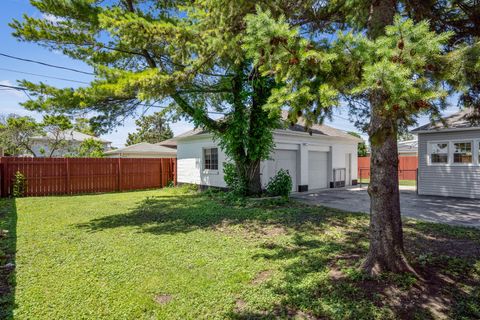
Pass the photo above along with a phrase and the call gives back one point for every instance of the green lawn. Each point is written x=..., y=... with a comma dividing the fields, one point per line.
x=178, y=254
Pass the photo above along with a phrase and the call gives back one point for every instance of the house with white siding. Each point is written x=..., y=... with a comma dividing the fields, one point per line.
x=449, y=156
x=68, y=142
x=324, y=157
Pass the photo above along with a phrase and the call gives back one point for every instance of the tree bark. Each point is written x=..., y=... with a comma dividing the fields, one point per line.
x=254, y=184
x=386, y=251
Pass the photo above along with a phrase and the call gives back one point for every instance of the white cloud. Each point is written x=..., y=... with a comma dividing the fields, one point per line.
x=8, y=91
x=52, y=18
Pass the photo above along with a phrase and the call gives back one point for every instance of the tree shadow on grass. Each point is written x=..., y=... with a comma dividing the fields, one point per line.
x=189, y=212
x=319, y=277
x=8, y=244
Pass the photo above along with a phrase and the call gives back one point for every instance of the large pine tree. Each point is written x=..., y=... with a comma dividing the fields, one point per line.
x=386, y=68
x=187, y=55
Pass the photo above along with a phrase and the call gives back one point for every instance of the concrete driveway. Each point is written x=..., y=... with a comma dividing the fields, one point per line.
x=455, y=211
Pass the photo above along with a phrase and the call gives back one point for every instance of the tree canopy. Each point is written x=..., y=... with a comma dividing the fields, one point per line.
x=152, y=129
x=187, y=55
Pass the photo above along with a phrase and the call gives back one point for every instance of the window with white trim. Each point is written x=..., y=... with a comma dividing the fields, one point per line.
x=462, y=152
x=210, y=159
x=439, y=152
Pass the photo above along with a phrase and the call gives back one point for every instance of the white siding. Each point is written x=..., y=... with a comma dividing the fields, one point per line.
x=447, y=180
x=190, y=162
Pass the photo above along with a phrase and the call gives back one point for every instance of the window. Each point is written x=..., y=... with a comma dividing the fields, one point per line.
x=439, y=152
x=462, y=152
x=210, y=159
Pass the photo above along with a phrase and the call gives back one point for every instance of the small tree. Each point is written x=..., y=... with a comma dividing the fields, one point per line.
x=151, y=129
x=16, y=134
x=362, y=150
x=56, y=130
x=90, y=148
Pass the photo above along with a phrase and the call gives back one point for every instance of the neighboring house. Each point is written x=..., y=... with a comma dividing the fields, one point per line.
x=170, y=143
x=449, y=157
x=73, y=139
x=408, y=148
x=314, y=161
x=142, y=150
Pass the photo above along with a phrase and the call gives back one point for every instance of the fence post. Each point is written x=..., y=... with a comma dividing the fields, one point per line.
x=4, y=185
x=161, y=172
x=119, y=175
x=68, y=176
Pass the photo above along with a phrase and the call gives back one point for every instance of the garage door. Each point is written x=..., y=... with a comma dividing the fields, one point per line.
x=287, y=159
x=317, y=169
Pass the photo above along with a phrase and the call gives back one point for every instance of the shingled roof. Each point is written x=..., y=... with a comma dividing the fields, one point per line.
x=316, y=129
x=460, y=120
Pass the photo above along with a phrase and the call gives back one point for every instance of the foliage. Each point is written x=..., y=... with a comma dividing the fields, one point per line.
x=405, y=136
x=362, y=150
x=151, y=129
x=233, y=180
x=16, y=134
x=398, y=64
x=280, y=184
x=90, y=148
x=83, y=125
x=269, y=261
x=188, y=56
x=56, y=129
x=19, y=185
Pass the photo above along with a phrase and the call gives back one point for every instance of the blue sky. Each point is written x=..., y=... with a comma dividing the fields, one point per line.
x=10, y=99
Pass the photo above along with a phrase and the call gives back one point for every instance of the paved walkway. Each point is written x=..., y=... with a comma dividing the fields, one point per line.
x=455, y=211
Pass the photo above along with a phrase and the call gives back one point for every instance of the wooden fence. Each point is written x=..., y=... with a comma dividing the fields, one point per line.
x=407, y=167
x=56, y=176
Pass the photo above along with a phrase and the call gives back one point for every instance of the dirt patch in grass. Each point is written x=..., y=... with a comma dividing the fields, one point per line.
x=163, y=298
x=262, y=277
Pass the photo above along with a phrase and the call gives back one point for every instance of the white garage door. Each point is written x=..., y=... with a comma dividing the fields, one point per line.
x=317, y=169
x=286, y=159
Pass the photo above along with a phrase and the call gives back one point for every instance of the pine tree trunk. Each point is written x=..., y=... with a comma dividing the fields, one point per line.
x=386, y=252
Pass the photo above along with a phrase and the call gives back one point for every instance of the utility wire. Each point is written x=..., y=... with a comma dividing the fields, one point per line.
x=44, y=76
x=45, y=64
x=140, y=104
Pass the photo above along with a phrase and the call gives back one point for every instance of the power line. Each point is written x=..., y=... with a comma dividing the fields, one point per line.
x=12, y=87
x=140, y=104
x=45, y=64
x=44, y=76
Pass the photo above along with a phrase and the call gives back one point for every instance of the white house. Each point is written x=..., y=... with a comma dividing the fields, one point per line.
x=142, y=150
x=41, y=144
x=324, y=159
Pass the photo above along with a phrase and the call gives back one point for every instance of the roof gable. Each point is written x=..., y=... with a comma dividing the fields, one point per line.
x=465, y=119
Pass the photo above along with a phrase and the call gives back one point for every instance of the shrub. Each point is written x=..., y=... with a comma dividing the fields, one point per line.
x=280, y=184
x=19, y=185
x=232, y=179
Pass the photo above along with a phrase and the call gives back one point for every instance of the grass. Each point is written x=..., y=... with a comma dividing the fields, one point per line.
x=178, y=254
x=409, y=183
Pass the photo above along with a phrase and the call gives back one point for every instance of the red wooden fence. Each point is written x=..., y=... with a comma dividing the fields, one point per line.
x=407, y=167
x=54, y=176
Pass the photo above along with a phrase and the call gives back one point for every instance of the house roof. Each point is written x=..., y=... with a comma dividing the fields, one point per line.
x=143, y=148
x=71, y=135
x=171, y=143
x=316, y=129
x=460, y=120
x=408, y=146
